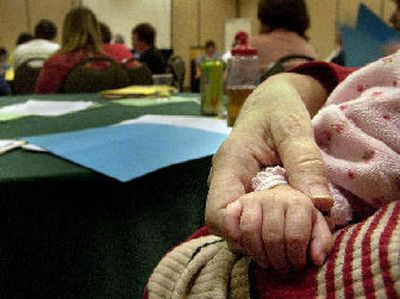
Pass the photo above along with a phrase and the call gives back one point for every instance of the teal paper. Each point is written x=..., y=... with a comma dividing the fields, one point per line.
x=359, y=47
x=371, y=24
x=129, y=151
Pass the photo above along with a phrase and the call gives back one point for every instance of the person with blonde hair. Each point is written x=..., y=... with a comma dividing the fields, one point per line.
x=80, y=39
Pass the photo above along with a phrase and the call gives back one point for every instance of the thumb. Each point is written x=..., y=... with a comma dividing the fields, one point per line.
x=306, y=171
x=322, y=240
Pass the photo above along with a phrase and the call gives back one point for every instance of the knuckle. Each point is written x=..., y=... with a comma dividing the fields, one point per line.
x=247, y=225
x=296, y=240
x=310, y=163
x=248, y=198
x=273, y=240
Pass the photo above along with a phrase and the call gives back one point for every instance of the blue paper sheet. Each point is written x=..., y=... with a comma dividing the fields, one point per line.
x=371, y=24
x=359, y=47
x=129, y=151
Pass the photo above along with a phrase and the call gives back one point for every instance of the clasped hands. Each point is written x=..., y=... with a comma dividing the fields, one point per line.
x=283, y=227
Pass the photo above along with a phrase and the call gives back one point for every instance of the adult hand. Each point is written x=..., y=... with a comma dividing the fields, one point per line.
x=274, y=125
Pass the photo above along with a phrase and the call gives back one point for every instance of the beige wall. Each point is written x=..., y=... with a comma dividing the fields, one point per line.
x=21, y=15
x=122, y=15
x=195, y=21
x=9, y=27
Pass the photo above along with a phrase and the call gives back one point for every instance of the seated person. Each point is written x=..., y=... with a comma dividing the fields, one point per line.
x=210, y=53
x=4, y=87
x=23, y=38
x=4, y=65
x=80, y=40
x=119, y=39
x=143, y=41
x=283, y=32
x=42, y=46
x=340, y=168
x=119, y=52
x=241, y=39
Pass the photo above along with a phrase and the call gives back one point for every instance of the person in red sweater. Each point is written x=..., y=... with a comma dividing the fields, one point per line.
x=119, y=52
x=80, y=39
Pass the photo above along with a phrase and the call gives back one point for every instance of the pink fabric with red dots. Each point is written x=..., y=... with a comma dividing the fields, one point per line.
x=358, y=131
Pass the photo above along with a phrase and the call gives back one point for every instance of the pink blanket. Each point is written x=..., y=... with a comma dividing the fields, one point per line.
x=358, y=131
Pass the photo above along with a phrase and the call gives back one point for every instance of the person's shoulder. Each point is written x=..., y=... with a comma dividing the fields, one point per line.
x=154, y=51
x=121, y=46
x=116, y=47
x=261, y=39
x=23, y=47
x=56, y=58
x=48, y=44
x=153, y=54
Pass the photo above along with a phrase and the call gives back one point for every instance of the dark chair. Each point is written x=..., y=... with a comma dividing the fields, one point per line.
x=94, y=74
x=176, y=66
x=279, y=66
x=26, y=75
x=194, y=82
x=139, y=73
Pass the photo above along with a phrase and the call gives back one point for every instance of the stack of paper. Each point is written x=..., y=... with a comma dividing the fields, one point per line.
x=139, y=91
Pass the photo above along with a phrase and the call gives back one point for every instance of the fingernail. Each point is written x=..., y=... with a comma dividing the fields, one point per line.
x=321, y=197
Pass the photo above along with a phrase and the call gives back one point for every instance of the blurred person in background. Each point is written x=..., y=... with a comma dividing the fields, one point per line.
x=210, y=53
x=23, y=38
x=41, y=46
x=241, y=39
x=119, y=52
x=283, y=32
x=80, y=39
x=3, y=61
x=143, y=42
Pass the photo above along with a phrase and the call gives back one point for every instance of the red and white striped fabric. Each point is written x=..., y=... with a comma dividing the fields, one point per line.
x=363, y=264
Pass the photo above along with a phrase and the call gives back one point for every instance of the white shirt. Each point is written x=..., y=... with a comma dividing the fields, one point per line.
x=36, y=48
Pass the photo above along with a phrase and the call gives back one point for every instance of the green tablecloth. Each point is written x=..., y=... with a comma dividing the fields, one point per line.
x=68, y=232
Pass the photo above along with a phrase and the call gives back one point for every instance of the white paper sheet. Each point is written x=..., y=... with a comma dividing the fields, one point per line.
x=9, y=144
x=46, y=108
x=211, y=124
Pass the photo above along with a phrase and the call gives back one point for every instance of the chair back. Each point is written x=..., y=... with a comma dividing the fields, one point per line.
x=26, y=75
x=176, y=66
x=95, y=74
x=139, y=73
x=279, y=66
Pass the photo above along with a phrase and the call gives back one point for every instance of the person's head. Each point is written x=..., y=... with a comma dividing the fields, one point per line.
x=241, y=38
x=45, y=29
x=119, y=39
x=143, y=36
x=80, y=31
x=23, y=38
x=291, y=15
x=106, y=34
x=395, y=18
x=210, y=48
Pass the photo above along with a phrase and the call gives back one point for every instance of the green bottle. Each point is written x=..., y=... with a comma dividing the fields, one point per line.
x=211, y=86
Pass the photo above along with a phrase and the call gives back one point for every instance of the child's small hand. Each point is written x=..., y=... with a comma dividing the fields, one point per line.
x=277, y=226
